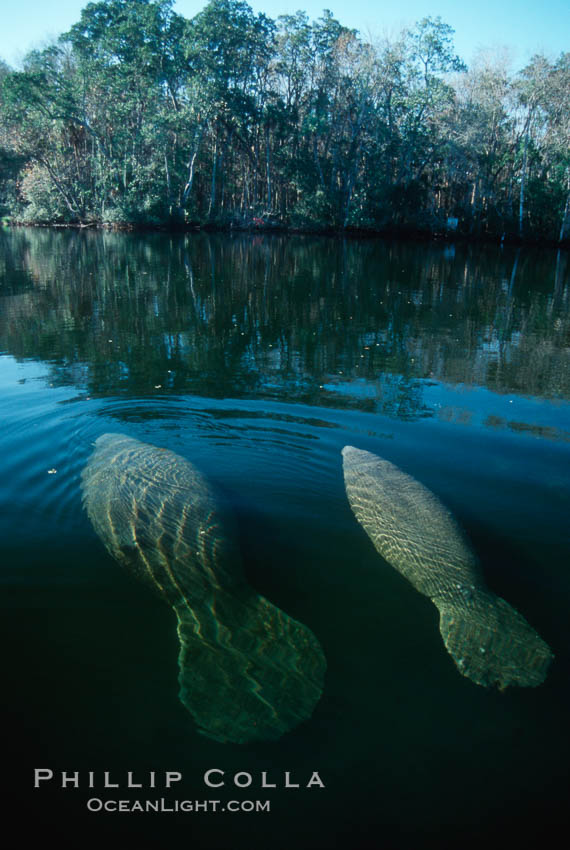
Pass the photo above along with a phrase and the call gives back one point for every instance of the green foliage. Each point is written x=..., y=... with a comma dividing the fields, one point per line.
x=138, y=116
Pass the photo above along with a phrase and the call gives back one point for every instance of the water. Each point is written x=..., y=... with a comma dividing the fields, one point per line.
x=258, y=359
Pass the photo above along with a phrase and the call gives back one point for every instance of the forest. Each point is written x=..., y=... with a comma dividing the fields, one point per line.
x=138, y=117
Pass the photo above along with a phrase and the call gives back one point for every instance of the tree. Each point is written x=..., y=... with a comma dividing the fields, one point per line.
x=479, y=172
x=137, y=115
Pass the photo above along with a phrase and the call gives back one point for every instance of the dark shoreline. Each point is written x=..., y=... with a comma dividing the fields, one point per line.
x=403, y=235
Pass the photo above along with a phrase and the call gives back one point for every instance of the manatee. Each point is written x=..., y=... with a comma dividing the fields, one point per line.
x=247, y=671
x=489, y=641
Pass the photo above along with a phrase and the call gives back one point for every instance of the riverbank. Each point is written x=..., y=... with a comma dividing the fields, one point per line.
x=260, y=228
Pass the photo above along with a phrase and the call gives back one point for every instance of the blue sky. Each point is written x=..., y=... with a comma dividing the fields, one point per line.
x=525, y=26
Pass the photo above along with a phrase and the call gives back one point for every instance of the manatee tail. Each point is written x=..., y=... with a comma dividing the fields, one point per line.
x=491, y=643
x=247, y=671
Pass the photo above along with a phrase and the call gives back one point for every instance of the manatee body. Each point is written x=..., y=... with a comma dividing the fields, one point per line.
x=247, y=671
x=490, y=642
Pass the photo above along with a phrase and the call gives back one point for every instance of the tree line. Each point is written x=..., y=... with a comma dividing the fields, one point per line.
x=138, y=116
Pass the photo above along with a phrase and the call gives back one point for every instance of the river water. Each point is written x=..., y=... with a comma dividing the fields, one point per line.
x=258, y=359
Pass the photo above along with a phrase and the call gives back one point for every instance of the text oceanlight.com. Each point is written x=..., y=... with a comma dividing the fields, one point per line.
x=162, y=805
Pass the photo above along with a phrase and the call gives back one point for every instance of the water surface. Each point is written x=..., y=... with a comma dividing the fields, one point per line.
x=258, y=359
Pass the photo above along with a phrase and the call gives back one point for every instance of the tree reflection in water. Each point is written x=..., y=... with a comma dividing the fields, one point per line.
x=365, y=324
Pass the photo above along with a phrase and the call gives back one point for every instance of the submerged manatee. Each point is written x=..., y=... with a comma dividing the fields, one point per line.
x=247, y=671
x=490, y=642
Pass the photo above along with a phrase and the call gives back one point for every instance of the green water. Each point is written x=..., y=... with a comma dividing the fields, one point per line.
x=258, y=359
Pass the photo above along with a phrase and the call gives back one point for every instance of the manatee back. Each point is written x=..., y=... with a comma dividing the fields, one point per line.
x=158, y=516
x=409, y=526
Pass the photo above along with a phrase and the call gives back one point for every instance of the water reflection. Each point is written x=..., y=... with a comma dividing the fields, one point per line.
x=490, y=642
x=370, y=325
x=247, y=671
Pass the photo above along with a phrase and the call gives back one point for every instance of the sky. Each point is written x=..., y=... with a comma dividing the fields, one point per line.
x=524, y=26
